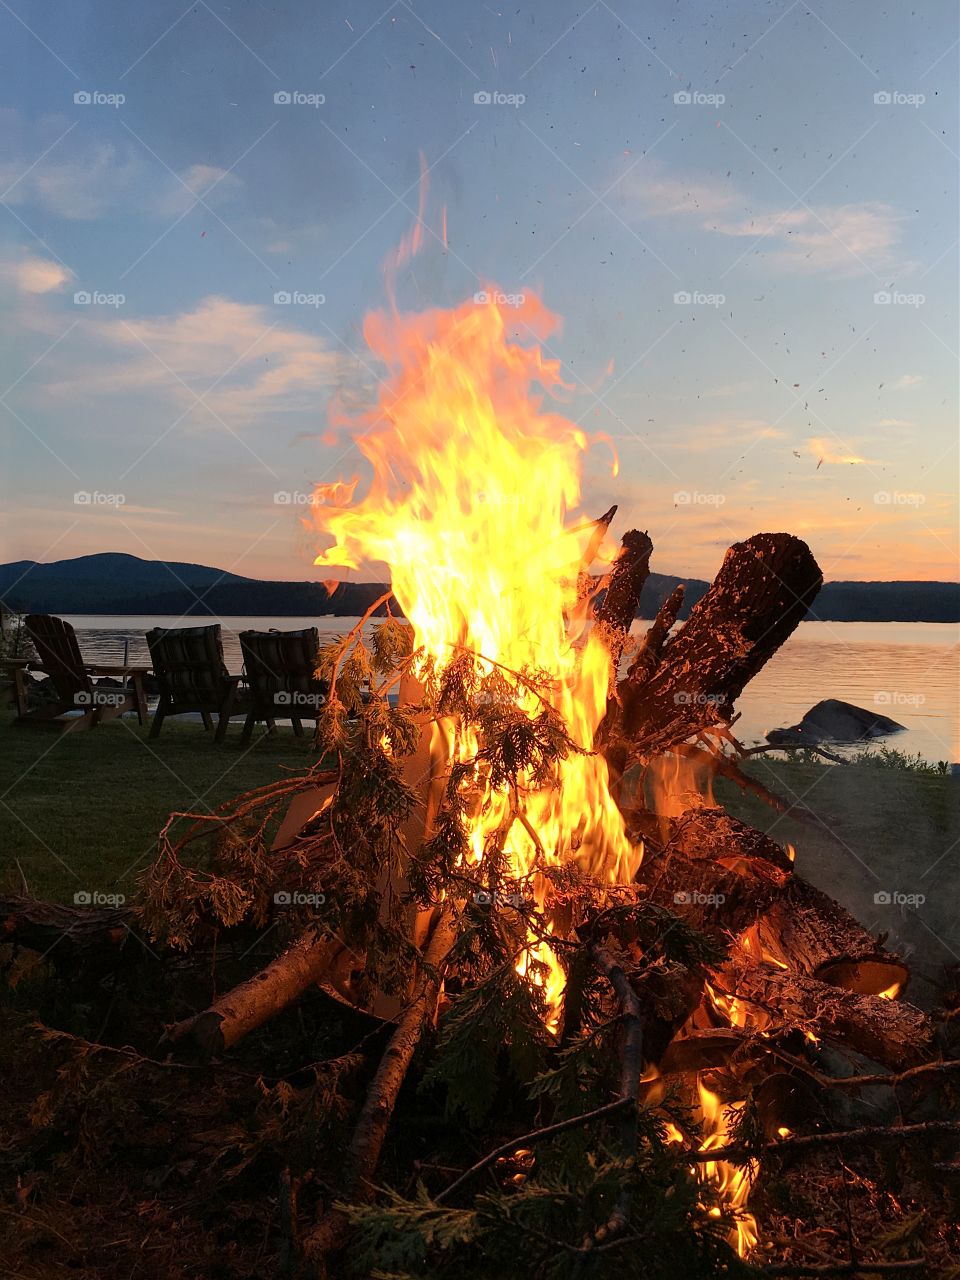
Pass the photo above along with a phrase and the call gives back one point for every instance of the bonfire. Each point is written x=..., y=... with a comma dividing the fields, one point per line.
x=509, y=865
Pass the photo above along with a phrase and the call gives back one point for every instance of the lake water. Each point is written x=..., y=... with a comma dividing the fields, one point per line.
x=908, y=671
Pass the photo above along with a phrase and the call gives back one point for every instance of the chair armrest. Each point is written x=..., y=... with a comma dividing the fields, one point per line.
x=22, y=663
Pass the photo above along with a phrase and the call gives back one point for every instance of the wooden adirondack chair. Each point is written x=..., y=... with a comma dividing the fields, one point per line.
x=189, y=667
x=281, y=672
x=60, y=658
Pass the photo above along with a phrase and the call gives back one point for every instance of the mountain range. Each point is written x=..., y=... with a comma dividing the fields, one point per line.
x=115, y=583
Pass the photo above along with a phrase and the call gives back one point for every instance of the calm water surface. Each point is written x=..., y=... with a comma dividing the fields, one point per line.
x=908, y=671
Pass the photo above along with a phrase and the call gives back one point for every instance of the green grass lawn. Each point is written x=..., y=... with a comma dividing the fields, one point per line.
x=863, y=831
x=81, y=811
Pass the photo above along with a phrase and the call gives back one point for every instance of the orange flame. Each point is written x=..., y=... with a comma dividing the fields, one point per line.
x=473, y=478
x=732, y=1181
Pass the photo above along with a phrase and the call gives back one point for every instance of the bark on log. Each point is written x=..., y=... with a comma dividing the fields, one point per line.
x=619, y=608
x=710, y=832
x=68, y=935
x=891, y=1032
x=250, y=1004
x=823, y=939
x=650, y=652
x=764, y=588
x=363, y=1153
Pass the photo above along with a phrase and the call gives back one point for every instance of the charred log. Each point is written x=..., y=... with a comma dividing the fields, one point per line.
x=763, y=590
x=891, y=1032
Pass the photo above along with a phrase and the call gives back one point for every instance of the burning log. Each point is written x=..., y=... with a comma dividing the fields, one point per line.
x=824, y=940
x=709, y=832
x=891, y=1032
x=630, y=571
x=764, y=588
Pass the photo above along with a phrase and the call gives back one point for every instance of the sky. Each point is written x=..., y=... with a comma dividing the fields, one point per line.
x=746, y=215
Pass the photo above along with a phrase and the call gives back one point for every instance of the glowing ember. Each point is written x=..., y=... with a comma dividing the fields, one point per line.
x=473, y=479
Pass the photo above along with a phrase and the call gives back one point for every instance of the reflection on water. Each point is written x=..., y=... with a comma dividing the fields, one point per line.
x=908, y=671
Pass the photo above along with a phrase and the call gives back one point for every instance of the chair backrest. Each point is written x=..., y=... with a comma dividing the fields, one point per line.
x=58, y=650
x=188, y=663
x=281, y=662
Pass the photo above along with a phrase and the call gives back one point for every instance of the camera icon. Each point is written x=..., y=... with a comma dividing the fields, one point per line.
x=83, y=499
x=282, y=298
x=882, y=99
x=82, y=898
x=883, y=298
x=282, y=898
x=883, y=698
x=681, y=897
x=283, y=499
x=283, y=698
x=482, y=99
x=682, y=298
x=481, y=296
x=482, y=898
x=82, y=98
x=282, y=98
x=82, y=298
x=682, y=498
x=882, y=898
x=683, y=98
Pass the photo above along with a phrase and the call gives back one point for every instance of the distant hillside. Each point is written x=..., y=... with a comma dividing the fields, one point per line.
x=115, y=583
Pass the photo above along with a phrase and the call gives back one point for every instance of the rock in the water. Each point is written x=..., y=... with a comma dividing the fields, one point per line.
x=834, y=721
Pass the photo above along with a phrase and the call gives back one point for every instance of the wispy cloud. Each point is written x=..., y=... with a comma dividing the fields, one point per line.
x=853, y=237
x=264, y=365
x=828, y=452
x=34, y=275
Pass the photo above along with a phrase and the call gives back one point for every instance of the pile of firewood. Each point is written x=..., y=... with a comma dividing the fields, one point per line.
x=795, y=971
